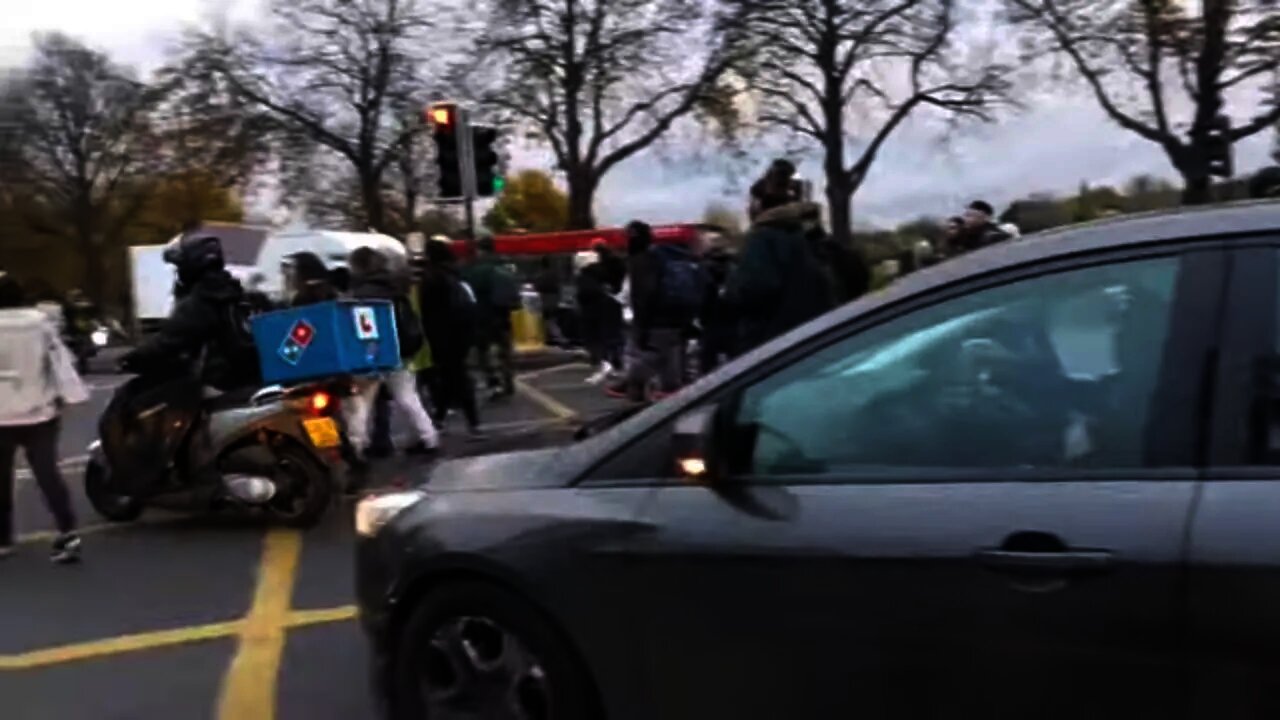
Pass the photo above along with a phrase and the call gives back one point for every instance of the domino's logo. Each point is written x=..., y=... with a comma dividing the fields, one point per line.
x=296, y=342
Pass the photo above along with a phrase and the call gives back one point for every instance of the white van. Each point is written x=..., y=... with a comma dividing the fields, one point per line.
x=331, y=246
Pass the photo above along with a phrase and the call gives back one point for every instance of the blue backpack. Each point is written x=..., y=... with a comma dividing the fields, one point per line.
x=682, y=283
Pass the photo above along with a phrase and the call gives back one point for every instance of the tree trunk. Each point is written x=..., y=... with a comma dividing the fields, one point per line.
x=839, y=202
x=1197, y=189
x=582, y=191
x=371, y=193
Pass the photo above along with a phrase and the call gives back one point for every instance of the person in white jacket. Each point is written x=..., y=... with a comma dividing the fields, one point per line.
x=37, y=378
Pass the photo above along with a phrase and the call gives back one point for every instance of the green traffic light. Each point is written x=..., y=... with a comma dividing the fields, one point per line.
x=499, y=183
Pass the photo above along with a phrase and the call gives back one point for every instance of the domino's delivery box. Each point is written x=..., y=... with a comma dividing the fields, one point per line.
x=343, y=337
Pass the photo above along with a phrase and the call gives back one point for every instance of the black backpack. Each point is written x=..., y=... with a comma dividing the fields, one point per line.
x=408, y=328
x=681, y=282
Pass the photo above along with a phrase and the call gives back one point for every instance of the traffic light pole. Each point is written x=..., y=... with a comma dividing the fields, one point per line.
x=466, y=156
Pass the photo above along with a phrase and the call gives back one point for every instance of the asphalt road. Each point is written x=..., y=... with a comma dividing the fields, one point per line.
x=213, y=617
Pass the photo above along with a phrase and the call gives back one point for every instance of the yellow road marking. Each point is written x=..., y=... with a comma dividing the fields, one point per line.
x=548, y=403
x=162, y=638
x=249, y=687
x=303, y=618
x=118, y=645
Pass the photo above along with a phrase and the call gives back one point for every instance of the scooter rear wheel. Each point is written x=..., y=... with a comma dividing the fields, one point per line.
x=306, y=488
x=105, y=500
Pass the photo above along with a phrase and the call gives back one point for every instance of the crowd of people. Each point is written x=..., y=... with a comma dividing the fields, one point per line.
x=789, y=270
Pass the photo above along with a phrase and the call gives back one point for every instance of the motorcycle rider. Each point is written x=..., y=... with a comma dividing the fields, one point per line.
x=209, y=317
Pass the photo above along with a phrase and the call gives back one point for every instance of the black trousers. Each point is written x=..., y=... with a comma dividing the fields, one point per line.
x=380, y=438
x=451, y=387
x=40, y=444
x=496, y=339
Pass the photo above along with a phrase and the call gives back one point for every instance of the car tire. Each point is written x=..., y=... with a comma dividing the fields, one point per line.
x=570, y=691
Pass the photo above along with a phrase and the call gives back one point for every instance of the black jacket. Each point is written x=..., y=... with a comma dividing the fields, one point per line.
x=779, y=283
x=644, y=270
x=447, y=321
x=208, y=317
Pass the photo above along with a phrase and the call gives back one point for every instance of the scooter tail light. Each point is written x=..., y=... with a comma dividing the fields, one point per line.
x=320, y=401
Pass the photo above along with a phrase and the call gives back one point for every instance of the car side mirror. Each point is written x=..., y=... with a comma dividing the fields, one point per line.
x=693, y=445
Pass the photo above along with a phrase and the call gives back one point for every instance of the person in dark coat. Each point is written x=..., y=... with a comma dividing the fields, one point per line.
x=600, y=311
x=205, y=318
x=547, y=285
x=779, y=283
x=448, y=319
x=980, y=229
x=846, y=268
x=717, y=318
x=307, y=280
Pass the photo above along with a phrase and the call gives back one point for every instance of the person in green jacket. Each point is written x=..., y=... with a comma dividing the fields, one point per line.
x=497, y=295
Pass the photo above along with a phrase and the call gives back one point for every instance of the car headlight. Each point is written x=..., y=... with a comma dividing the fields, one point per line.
x=375, y=511
x=100, y=337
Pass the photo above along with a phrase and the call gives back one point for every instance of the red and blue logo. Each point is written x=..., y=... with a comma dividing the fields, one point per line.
x=297, y=342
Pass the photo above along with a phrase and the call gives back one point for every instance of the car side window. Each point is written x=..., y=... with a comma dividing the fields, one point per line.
x=1055, y=371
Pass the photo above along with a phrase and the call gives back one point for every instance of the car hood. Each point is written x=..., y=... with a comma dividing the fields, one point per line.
x=504, y=471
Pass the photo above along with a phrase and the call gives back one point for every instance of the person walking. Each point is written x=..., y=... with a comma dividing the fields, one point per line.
x=547, y=285
x=666, y=289
x=778, y=187
x=779, y=283
x=448, y=318
x=599, y=284
x=716, y=316
x=37, y=379
x=497, y=296
x=371, y=279
x=979, y=229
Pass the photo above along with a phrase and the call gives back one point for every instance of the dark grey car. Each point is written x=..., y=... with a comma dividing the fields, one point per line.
x=1036, y=481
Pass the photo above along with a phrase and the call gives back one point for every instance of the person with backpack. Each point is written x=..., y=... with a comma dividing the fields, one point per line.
x=371, y=278
x=667, y=285
x=779, y=283
x=37, y=379
x=448, y=319
x=497, y=295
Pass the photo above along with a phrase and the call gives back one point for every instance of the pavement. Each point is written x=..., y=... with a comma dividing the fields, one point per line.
x=215, y=617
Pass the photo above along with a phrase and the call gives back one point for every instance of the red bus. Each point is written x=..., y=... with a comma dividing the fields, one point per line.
x=569, y=242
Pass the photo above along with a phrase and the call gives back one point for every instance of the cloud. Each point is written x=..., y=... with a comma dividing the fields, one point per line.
x=1064, y=141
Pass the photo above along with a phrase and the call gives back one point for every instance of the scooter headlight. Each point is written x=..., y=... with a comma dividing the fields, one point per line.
x=375, y=511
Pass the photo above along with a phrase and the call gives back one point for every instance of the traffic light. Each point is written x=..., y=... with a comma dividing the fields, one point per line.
x=489, y=180
x=1219, y=147
x=444, y=121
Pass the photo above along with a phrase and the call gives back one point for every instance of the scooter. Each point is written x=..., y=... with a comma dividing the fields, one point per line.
x=178, y=446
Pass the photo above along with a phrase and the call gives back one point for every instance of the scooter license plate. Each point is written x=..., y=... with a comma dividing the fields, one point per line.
x=323, y=432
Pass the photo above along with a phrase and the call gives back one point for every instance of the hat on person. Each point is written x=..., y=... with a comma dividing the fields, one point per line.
x=982, y=206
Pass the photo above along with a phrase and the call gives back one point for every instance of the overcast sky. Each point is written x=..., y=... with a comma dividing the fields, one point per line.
x=1053, y=147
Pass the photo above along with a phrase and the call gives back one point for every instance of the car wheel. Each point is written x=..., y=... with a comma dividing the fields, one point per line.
x=472, y=650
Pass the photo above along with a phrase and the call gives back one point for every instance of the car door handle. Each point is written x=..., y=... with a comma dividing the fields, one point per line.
x=1065, y=561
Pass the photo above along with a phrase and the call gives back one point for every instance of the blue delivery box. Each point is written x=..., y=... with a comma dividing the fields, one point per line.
x=343, y=337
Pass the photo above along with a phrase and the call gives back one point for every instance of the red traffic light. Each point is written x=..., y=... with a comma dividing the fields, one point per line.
x=441, y=116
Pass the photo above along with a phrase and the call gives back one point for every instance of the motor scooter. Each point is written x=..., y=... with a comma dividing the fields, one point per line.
x=175, y=444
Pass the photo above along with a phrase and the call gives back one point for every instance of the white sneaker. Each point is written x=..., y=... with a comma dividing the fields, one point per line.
x=601, y=375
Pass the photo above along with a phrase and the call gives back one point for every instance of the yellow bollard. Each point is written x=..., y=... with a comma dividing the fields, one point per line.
x=526, y=330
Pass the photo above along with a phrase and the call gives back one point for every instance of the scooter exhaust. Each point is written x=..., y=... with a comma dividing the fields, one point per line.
x=251, y=489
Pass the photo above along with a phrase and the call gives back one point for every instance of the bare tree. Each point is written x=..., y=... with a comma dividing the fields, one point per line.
x=820, y=61
x=336, y=73
x=79, y=124
x=1146, y=60
x=211, y=137
x=601, y=80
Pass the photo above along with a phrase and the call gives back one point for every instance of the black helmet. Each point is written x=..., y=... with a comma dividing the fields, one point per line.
x=193, y=255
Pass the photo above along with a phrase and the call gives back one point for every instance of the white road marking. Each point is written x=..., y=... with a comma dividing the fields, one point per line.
x=76, y=462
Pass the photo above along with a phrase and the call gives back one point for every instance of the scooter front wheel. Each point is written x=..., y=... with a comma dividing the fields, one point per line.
x=110, y=504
